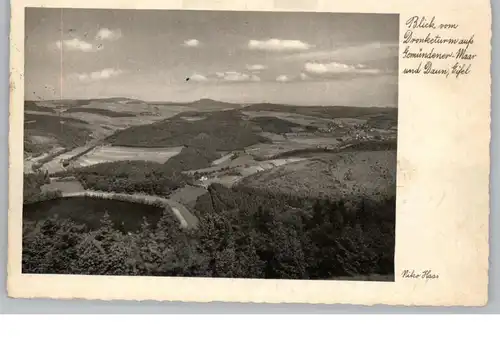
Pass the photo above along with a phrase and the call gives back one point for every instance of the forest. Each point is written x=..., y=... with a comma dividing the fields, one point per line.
x=130, y=177
x=218, y=131
x=32, y=191
x=100, y=111
x=243, y=233
x=325, y=111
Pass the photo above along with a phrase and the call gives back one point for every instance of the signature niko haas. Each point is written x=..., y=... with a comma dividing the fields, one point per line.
x=426, y=274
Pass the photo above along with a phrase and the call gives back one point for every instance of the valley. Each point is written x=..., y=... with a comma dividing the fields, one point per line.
x=297, y=150
x=137, y=163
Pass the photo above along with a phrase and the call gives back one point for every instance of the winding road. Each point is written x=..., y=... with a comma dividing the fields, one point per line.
x=185, y=217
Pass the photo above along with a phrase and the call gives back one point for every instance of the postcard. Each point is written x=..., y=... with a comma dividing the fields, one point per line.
x=250, y=151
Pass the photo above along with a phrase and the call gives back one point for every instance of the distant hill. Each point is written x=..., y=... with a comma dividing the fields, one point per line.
x=113, y=106
x=213, y=104
x=33, y=106
x=202, y=104
x=205, y=104
x=324, y=111
x=81, y=102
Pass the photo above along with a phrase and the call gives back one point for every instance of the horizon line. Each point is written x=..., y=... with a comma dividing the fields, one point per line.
x=214, y=100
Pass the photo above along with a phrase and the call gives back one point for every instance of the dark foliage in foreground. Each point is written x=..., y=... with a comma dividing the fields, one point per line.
x=242, y=234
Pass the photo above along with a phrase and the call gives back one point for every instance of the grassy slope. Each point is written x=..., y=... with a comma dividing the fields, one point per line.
x=32, y=105
x=324, y=111
x=69, y=132
x=369, y=173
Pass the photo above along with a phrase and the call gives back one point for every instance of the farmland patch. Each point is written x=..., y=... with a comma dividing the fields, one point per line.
x=368, y=173
x=111, y=154
x=187, y=195
x=64, y=186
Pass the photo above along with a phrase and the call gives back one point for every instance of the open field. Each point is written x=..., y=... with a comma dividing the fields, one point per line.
x=31, y=162
x=187, y=195
x=233, y=170
x=352, y=174
x=115, y=106
x=324, y=111
x=201, y=105
x=104, y=154
x=224, y=159
x=64, y=186
x=263, y=151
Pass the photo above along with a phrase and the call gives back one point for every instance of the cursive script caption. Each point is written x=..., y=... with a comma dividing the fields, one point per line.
x=425, y=274
x=436, y=48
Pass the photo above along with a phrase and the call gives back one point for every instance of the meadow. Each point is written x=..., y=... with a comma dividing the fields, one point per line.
x=102, y=154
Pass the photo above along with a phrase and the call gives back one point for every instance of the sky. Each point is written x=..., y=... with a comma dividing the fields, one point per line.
x=243, y=57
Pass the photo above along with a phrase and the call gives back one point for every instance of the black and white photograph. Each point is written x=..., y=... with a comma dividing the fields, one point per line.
x=223, y=144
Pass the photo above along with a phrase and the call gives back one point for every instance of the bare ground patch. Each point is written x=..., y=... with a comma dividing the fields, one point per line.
x=112, y=154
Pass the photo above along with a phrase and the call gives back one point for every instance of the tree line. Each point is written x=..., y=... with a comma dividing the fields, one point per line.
x=130, y=177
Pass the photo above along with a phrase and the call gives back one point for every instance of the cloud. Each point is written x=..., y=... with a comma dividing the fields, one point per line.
x=229, y=76
x=103, y=74
x=277, y=45
x=236, y=76
x=76, y=44
x=303, y=76
x=108, y=34
x=256, y=67
x=336, y=68
x=282, y=78
x=353, y=53
x=191, y=43
x=197, y=78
